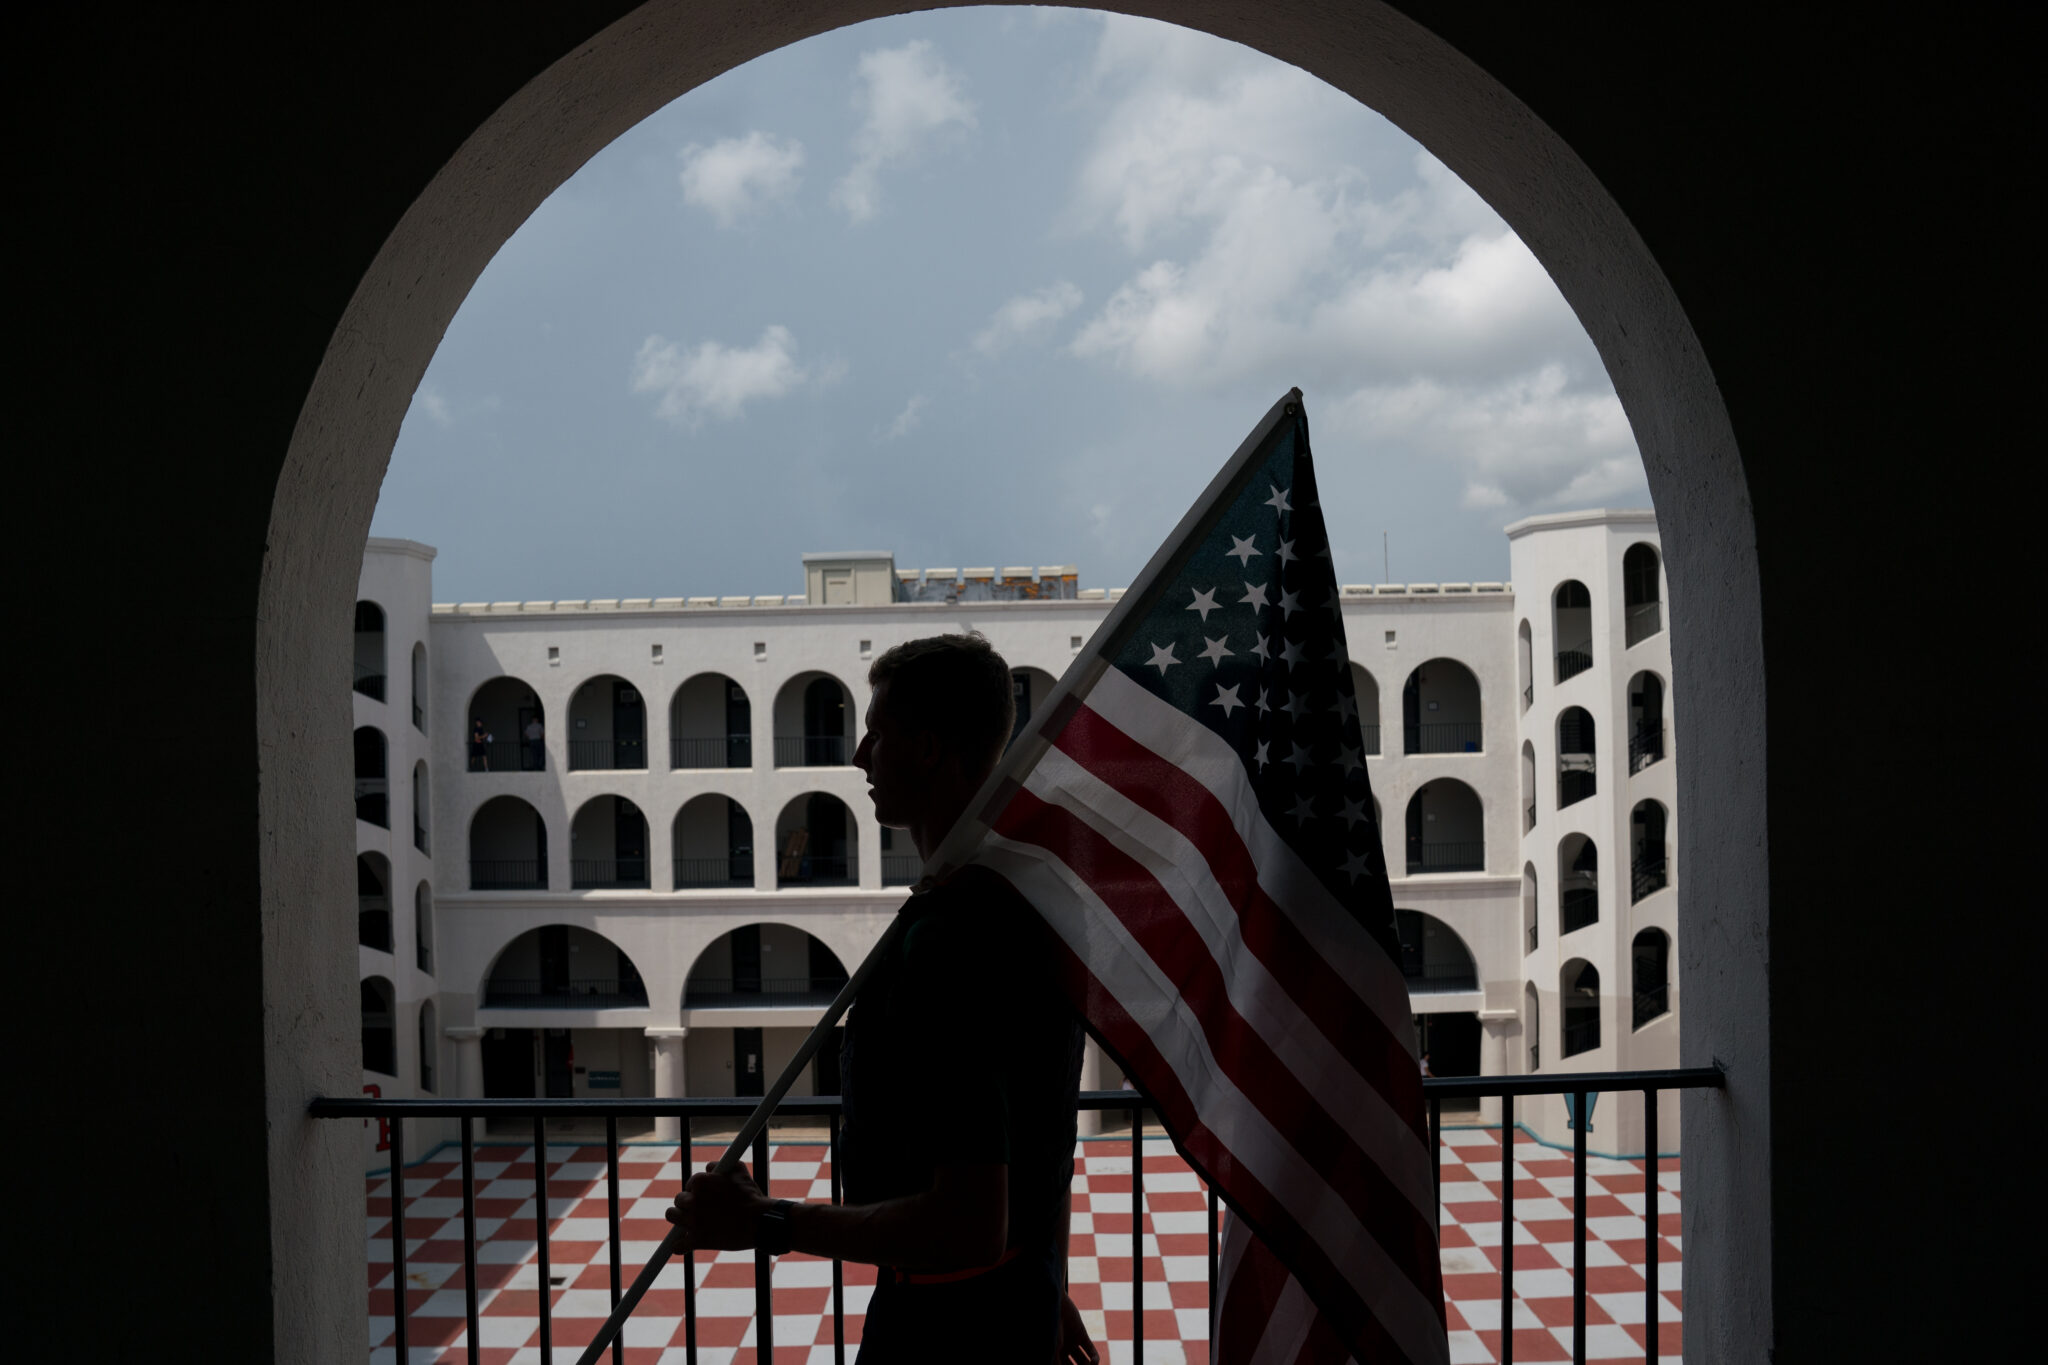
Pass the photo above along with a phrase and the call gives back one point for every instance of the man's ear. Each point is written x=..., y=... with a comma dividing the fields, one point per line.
x=931, y=750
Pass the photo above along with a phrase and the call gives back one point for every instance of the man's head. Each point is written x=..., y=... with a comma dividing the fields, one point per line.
x=941, y=713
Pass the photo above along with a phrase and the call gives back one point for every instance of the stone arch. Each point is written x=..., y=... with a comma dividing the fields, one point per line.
x=499, y=718
x=710, y=723
x=561, y=966
x=712, y=844
x=768, y=963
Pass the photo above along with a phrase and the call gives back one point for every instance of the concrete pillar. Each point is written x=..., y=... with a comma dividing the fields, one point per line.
x=469, y=1060
x=1091, y=1079
x=670, y=1079
x=1500, y=1028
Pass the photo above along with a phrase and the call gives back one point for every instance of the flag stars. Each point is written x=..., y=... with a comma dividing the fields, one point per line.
x=1278, y=502
x=1347, y=706
x=1254, y=597
x=1358, y=865
x=1226, y=697
x=1215, y=651
x=1297, y=703
x=1263, y=646
x=1264, y=701
x=1162, y=658
x=1290, y=602
x=1300, y=758
x=1304, y=810
x=1244, y=549
x=1353, y=812
x=1286, y=552
x=1290, y=653
x=1348, y=756
x=1204, y=603
x=1264, y=755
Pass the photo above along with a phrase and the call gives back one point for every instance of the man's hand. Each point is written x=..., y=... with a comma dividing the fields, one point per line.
x=718, y=1212
x=1075, y=1347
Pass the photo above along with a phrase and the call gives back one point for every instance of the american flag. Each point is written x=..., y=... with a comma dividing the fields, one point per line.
x=1193, y=820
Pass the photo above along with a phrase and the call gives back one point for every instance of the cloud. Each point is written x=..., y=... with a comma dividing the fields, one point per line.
x=1026, y=314
x=905, y=421
x=435, y=407
x=715, y=380
x=905, y=96
x=734, y=176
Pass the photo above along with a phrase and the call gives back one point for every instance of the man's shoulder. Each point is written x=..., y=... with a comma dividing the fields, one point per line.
x=973, y=912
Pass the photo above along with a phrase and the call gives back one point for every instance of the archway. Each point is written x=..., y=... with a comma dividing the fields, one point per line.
x=1366, y=689
x=764, y=965
x=562, y=966
x=608, y=845
x=1650, y=975
x=1578, y=995
x=815, y=843
x=713, y=842
x=373, y=785
x=422, y=805
x=419, y=686
x=813, y=722
x=507, y=728
x=380, y=1026
x=1446, y=829
x=1440, y=710
x=1571, y=630
x=373, y=901
x=423, y=927
x=607, y=726
x=1530, y=934
x=508, y=847
x=1645, y=721
x=710, y=724
x=1433, y=956
x=369, y=651
x=1578, y=883
x=1649, y=866
x=1577, y=774
x=1642, y=599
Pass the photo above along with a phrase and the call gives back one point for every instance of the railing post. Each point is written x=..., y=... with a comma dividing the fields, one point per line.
x=764, y=1295
x=1507, y=1229
x=398, y=1231
x=838, y=1266
x=1579, y=1229
x=540, y=1237
x=611, y=1174
x=469, y=1238
x=1137, y=1234
x=1650, y=1295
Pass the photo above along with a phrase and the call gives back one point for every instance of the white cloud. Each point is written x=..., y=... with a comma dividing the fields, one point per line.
x=1025, y=315
x=905, y=96
x=905, y=421
x=435, y=407
x=716, y=380
x=734, y=176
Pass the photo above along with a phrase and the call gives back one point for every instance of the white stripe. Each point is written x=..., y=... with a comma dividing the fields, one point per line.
x=1200, y=752
x=1272, y=1012
x=1287, y=1327
x=1152, y=1001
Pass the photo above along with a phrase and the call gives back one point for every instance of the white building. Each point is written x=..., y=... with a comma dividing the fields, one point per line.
x=650, y=874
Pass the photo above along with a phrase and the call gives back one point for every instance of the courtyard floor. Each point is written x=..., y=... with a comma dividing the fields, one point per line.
x=1174, y=1247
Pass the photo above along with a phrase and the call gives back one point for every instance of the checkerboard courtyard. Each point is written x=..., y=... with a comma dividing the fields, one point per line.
x=1174, y=1246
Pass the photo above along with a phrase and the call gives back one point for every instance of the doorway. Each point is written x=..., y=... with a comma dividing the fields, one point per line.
x=748, y=1061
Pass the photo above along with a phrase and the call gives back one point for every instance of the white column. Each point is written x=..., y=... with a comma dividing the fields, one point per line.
x=1499, y=1027
x=469, y=1061
x=670, y=1080
x=1090, y=1120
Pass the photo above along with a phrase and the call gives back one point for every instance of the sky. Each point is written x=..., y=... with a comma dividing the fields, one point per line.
x=993, y=287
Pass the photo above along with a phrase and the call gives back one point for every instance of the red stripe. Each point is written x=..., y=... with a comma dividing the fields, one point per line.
x=1160, y=928
x=1249, y=1301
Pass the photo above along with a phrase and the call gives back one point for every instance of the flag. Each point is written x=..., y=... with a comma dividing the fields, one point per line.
x=1192, y=818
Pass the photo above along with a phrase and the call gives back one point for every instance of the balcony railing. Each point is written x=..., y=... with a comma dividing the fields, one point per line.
x=370, y=682
x=901, y=869
x=1651, y=1002
x=1530, y=935
x=1528, y=695
x=818, y=869
x=1437, y=1091
x=761, y=992
x=701, y=874
x=1644, y=748
x=508, y=874
x=1644, y=620
x=597, y=874
x=1581, y=1035
x=1371, y=735
x=508, y=756
x=607, y=755
x=1442, y=737
x=1574, y=785
x=1577, y=907
x=720, y=751
x=577, y=993
x=1462, y=856
x=1648, y=872
x=812, y=751
x=1529, y=816
x=1575, y=660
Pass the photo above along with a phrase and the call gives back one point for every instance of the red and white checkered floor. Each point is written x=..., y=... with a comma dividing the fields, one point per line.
x=1175, y=1242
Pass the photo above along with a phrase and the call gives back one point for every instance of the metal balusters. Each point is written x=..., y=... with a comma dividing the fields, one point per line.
x=540, y=1238
x=1137, y=1234
x=611, y=1172
x=838, y=1266
x=689, y=1296
x=469, y=1303
x=1436, y=1163
x=764, y=1296
x=398, y=1230
x=1507, y=1230
x=1212, y=1259
x=1650, y=1295
x=1584, y=1116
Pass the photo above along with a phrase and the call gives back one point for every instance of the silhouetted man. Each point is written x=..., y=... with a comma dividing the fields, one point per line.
x=960, y=1066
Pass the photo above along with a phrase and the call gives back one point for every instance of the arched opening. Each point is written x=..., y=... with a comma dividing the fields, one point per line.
x=1572, y=628
x=561, y=966
x=814, y=841
x=1366, y=689
x=1529, y=921
x=1579, y=999
x=1440, y=709
x=507, y=728
x=710, y=724
x=764, y=966
x=1578, y=883
x=1528, y=786
x=508, y=847
x=1650, y=975
x=428, y=1047
x=713, y=842
x=421, y=804
x=419, y=686
x=373, y=784
x=1576, y=779
x=1649, y=864
x=1642, y=602
x=1525, y=664
x=1645, y=721
x=423, y=927
x=1532, y=1024
x=380, y=1027
x=1030, y=687
x=373, y=901
x=608, y=846
x=370, y=665
x=1446, y=829
x=1433, y=957
x=813, y=712
x=607, y=727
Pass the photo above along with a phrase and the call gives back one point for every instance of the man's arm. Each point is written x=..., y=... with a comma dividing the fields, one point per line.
x=961, y=1223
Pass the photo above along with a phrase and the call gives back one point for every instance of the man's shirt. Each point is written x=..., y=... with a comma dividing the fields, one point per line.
x=962, y=1049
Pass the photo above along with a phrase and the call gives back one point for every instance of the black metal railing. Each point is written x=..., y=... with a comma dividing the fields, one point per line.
x=1577, y=907
x=576, y=993
x=508, y=756
x=901, y=869
x=1574, y=785
x=1574, y=661
x=820, y=869
x=1441, y=737
x=597, y=874
x=812, y=751
x=607, y=755
x=725, y=992
x=1644, y=620
x=370, y=682
x=1437, y=1091
x=1467, y=855
x=1581, y=1035
x=1371, y=734
x=508, y=874
x=699, y=874
x=1648, y=872
x=1651, y=1001
x=1644, y=748
x=720, y=751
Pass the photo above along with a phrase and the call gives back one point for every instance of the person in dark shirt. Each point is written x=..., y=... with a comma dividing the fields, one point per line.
x=959, y=1068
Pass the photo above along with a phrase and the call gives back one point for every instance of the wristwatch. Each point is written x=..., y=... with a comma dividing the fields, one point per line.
x=772, y=1228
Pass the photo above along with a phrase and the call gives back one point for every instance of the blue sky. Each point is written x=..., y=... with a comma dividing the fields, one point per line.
x=989, y=287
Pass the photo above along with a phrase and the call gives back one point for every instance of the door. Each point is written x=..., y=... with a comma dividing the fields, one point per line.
x=1451, y=1042
x=508, y=1063
x=629, y=727
x=629, y=842
x=739, y=727
x=747, y=1062
x=1415, y=815
x=557, y=1064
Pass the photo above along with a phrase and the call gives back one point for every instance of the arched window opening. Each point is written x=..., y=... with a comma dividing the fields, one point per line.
x=1529, y=934
x=1650, y=975
x=608, y=846
x=1525, y=664
x=607, y=727
x=710, y=724
x=423, y=927
x=373, y=785
x=764, y=966
x=1645, y=721
x=1446, y=829
x=1572, y=628
x=1440, y=709
x=507, y=729
x=814, y=838
x=1575, y=759
x=1649, y=863
x=1578, y=883
x=1433, y=957
x=1579, y=996
x=1366, y=689
x=813, y=712
x=713, y=843
x=370, y=666
x=421, y=804
x=1641, y=602
x=508, y=847
x=1528, y=786
x=419, y=686
x=560, y=966
x=1029, y=687
x=1532, y=1024
x=373, y=901
x=427, y=1046
x=380, y=1027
